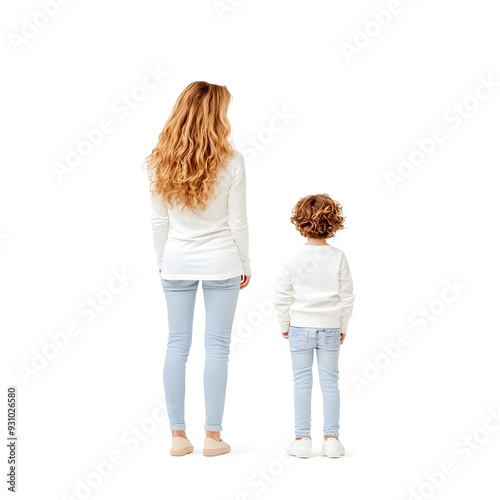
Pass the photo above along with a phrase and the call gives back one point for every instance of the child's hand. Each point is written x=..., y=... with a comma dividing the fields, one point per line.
x=342, y=337
x=285, y=334
x=244, y=281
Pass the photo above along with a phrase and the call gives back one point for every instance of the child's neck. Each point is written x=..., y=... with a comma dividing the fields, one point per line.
x=316, y=241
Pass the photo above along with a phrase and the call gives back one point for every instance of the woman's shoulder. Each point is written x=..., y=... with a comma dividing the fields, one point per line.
x=236, y=160
x=237, y=155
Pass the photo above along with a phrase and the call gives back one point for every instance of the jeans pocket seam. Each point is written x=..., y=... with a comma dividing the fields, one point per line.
x=298, y=339
x=332, y=338
x=173, y=282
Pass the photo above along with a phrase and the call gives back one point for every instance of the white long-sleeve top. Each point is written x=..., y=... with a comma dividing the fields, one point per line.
x=314, y=289
x=210, y=244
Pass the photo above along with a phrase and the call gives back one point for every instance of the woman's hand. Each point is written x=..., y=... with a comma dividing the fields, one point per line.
x=244, y=281
x=285, y=335
x=342, y=337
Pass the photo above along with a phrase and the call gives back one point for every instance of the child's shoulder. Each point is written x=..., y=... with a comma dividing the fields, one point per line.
x=317, y=252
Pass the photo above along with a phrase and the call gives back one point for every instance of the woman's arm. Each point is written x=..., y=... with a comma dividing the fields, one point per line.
x=160, y=222
x=237, y=209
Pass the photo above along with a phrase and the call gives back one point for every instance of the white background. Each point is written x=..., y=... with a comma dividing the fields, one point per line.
x=62, y=237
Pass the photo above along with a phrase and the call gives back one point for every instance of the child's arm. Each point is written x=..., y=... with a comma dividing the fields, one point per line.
x=346, y=296
x=283, y=298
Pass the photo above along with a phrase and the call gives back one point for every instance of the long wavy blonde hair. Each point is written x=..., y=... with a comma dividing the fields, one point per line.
x=192, y=147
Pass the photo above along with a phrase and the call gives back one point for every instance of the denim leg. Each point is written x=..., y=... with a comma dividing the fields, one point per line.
x=221, y=297
x=180, y=297
x=302, y=351
x=328, y=368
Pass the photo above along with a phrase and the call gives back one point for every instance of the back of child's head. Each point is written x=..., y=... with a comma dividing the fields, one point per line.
x=318, y=216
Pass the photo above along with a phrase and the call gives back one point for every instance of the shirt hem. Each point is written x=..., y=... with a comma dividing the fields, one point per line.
x=218, y=276
x=314, y=321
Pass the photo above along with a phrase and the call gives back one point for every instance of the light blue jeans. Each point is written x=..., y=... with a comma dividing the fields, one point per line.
x=221, y=297
x=303, y=343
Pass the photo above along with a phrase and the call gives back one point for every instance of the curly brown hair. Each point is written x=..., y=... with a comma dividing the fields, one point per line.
x=317, y=216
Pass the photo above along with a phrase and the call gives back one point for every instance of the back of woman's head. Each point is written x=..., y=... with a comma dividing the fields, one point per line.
x=192, y=147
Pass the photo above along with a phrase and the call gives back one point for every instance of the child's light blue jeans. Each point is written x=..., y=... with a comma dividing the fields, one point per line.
x=221, y=297
x=303, y=343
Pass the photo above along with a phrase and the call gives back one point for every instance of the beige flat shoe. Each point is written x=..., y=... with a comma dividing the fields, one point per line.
x=214, y=448
x=180, y=446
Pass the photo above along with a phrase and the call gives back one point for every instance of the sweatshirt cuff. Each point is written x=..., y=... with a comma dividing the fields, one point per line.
x=343, y=326
x=247, y=271
x=284, y=326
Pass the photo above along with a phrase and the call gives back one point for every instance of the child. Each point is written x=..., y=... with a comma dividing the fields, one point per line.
x=314, y=300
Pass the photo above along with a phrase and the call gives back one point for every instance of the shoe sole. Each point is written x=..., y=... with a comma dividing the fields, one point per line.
x=181, y=451
x=215, y=452
x=332, y=456
x=309, y=455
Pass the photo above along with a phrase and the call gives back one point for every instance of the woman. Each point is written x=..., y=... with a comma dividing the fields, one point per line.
x=200, y=232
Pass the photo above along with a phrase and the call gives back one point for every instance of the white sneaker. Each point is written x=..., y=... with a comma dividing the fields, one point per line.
x=300, y=448
x=332, y=448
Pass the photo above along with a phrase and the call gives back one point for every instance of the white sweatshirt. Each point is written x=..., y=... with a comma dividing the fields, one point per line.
x=314, y=289
x=211, y=244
